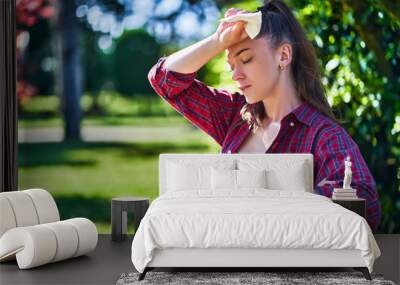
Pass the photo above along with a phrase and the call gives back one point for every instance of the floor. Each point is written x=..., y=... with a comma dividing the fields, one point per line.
x=111, y=259
x=102, y=266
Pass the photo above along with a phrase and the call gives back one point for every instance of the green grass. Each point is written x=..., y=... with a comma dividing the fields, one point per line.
x=109, y=105
x=83, y=177
x=158, y=121
x=116, y=110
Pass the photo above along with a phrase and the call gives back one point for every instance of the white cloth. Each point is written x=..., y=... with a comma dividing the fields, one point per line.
x=253, y=218
x=253, y=22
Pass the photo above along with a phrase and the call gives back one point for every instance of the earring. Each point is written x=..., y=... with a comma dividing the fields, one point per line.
x=281, y=67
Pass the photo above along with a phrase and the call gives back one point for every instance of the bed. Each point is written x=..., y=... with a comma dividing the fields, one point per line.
x=245, y=211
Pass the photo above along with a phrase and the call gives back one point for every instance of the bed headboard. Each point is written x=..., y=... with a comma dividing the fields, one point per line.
x=288, y=163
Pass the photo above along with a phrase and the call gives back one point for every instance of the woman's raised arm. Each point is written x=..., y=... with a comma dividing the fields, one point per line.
x=192, y=58
x=173, y=79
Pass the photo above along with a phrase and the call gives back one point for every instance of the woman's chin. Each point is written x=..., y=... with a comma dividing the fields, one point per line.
x=249, y=100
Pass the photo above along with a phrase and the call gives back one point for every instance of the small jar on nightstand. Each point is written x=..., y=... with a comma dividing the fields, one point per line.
x=356, y=205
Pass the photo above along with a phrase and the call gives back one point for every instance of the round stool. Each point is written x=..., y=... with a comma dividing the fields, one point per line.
x=119, y=219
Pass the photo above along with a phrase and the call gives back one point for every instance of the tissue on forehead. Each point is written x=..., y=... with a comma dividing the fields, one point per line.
x=253, y=22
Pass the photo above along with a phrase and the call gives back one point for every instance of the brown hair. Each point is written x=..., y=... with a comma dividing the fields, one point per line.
x=279, y=25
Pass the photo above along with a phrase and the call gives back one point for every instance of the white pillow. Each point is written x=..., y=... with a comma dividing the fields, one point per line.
x=223, y=179
x=279, y=180
x=183, y=178
x=229, y=179
x=251, y=178
x=193, y=174
x=284, y=174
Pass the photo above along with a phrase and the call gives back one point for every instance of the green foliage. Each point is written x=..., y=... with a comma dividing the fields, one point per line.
x=359, y=82
x=249, y=5
x=135, y=53
x=95, y=63
x=37, y=62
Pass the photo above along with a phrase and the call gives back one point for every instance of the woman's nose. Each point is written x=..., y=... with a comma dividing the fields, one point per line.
x=237, y=74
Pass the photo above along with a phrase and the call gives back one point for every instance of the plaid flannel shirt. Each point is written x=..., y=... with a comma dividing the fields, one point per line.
x=304, y=130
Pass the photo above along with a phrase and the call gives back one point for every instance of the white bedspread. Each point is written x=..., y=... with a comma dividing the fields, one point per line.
x=253, y=218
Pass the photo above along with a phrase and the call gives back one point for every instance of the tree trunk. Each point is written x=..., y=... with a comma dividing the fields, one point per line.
x=70, y=73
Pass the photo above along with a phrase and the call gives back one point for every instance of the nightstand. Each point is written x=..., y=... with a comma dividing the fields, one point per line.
x=356, y=205
x=119, y=209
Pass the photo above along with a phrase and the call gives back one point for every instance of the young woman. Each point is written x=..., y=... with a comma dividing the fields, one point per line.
x=282, y=108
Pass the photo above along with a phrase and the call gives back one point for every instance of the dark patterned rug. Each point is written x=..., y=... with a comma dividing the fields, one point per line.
x=230, y=278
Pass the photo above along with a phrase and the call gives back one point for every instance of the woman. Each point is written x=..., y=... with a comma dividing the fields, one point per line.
x=283, y=108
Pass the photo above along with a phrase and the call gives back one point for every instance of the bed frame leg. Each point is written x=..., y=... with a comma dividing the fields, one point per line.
x=143, y=274
x=364, y=271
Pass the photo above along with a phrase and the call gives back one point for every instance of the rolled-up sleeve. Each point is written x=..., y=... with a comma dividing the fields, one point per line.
x=329, y=167
x=210, y=109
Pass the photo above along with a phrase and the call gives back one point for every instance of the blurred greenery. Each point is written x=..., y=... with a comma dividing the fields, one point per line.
x=110, y=103
x=141, y=50
x=111, y=120
x=357, y=43
x=83, y=182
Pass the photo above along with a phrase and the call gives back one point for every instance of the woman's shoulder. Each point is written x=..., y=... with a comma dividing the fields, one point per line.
x=232, y=95
x=327, y=129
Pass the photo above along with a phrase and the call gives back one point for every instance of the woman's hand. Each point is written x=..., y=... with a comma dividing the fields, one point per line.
x=228, y=34
x=193, y=57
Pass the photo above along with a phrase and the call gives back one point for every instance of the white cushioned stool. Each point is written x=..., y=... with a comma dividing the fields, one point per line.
x=31, y=231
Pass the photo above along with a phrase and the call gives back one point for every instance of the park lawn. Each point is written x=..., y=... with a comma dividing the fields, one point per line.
x=84, y=176
x=176, y=120
x=114, y=109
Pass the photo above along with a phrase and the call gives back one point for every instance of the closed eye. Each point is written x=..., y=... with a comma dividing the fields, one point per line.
x=246, y=61
x=230, y=69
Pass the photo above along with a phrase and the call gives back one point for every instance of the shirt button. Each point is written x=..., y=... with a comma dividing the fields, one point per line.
x=291, y=124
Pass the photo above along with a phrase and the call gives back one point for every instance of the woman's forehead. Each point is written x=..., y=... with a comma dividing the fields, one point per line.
x=247, y=45
x=235, y=49
x=236, y=52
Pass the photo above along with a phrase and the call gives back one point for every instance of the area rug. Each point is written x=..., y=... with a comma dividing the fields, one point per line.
x=230, y=278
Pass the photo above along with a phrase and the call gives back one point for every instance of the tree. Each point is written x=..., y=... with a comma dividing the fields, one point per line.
x=134, y=55
x=70, y=86
x=30, y=13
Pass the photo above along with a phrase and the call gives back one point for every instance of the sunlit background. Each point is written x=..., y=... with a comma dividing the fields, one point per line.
x=91, y=127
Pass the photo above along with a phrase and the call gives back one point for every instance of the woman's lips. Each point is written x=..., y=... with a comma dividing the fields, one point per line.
x=244, y=87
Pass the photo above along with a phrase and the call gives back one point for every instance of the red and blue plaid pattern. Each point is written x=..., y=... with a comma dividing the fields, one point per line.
x=304, y=130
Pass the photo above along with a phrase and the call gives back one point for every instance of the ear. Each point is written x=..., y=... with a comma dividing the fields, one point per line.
x=285, y=55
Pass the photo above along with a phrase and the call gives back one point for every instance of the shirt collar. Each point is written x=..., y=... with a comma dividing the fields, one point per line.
x=304, y=113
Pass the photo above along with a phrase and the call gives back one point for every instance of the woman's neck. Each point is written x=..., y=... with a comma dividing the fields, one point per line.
x=281, y=102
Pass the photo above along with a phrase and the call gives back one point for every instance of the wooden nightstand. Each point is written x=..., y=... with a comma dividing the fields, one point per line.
x=356, y=205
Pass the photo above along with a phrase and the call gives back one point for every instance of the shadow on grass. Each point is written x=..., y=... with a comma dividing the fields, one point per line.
x=97, y=209
x=51, y=154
